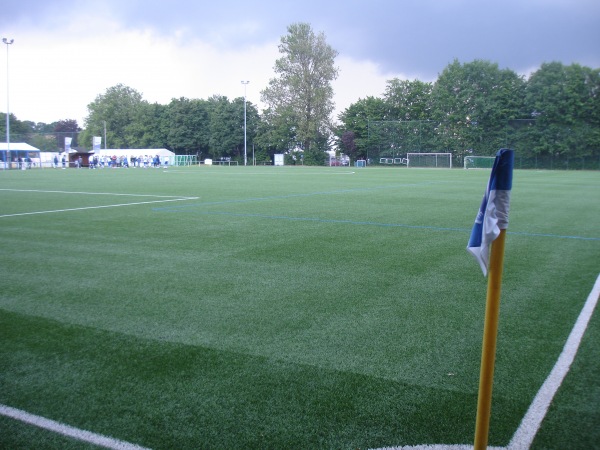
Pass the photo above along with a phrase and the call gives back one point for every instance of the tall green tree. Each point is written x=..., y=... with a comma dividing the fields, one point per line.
x=148, y=129
x=302, y=91
x=408, y=100
x=354, y=132
x=472, y=103
x=19, y=130
x=565, y=102
x=116, y=109
x=276, y=132
x=188, y=126
x=226, y=127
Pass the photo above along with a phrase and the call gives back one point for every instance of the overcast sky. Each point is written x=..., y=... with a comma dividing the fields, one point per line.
x=67, y=52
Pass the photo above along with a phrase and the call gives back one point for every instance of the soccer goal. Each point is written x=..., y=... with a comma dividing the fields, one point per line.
x=185, y=160
x=437, y=160
x=479, y=162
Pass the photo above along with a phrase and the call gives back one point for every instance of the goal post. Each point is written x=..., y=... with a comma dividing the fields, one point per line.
x=479, y=162
x=435, y=160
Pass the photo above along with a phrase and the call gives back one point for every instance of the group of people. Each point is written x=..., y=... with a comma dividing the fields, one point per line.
x=63, y=161
x=124, y=161
x=24, y=163
x=114, y=161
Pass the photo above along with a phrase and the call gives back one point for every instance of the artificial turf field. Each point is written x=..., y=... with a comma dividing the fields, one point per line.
x=289, y=307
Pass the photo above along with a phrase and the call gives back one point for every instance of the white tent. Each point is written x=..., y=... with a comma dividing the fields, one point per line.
x=17, y=150
x=134, y=152
x=18, y=146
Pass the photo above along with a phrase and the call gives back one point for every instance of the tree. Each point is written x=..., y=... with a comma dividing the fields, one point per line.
x=66, y=128
x=276, y=132
x=148, y=128
x=564, y=101
x=408, y=100
x=188, y=126
x=475, y=100
x=19, y=130
x=302, y=94
x=226, y=127
x=116, y=109
x=357, y=119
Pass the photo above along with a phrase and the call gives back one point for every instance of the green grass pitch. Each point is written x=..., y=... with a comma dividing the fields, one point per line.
x=288, y=307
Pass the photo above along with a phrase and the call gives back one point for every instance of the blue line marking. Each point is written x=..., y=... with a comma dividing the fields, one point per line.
x=281, y=197
x=188, y=208
x=375, y=224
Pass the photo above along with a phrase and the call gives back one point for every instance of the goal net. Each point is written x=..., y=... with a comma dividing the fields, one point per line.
x=479, y=162
x=437, y=160
x=185, y=160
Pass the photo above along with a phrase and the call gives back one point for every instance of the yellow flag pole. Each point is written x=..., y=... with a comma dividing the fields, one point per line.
x=488, y=351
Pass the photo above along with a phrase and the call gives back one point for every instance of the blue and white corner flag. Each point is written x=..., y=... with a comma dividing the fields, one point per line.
x=493, y=212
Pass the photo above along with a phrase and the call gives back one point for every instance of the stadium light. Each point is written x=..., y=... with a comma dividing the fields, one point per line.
x=245, y=83
x=7, y=160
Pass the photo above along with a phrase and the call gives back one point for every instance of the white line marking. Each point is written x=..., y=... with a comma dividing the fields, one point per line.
x=94, y=193
x=97, y=207
x=66, y=430
x=523, y=437
x=438, y=447
x=532, y=420
x=169, y=198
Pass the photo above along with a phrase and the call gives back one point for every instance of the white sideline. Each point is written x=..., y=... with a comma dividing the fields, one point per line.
x=521, y=440
x=523, y=437
x=532, y=420
x=66, y=430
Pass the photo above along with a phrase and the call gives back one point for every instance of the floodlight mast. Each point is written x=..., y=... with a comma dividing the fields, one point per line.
x=245, y=83
x=7, y=160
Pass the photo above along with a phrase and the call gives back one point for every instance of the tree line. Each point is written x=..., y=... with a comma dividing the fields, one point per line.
x=476, y=108
x=472, y=108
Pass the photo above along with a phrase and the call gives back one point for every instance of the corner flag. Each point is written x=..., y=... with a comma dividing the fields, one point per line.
x=493, y=212
x=487, y=245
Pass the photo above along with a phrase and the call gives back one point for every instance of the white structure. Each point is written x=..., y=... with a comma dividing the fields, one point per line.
x=17, y=150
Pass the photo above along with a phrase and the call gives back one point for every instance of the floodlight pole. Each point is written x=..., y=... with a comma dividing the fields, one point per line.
x=7, y=160
x=245, y=83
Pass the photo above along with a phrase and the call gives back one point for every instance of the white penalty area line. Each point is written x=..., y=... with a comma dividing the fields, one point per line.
x=163, y=199
x=66, y=430
x=532, y=421
x=97, y=207
x=44, y=191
